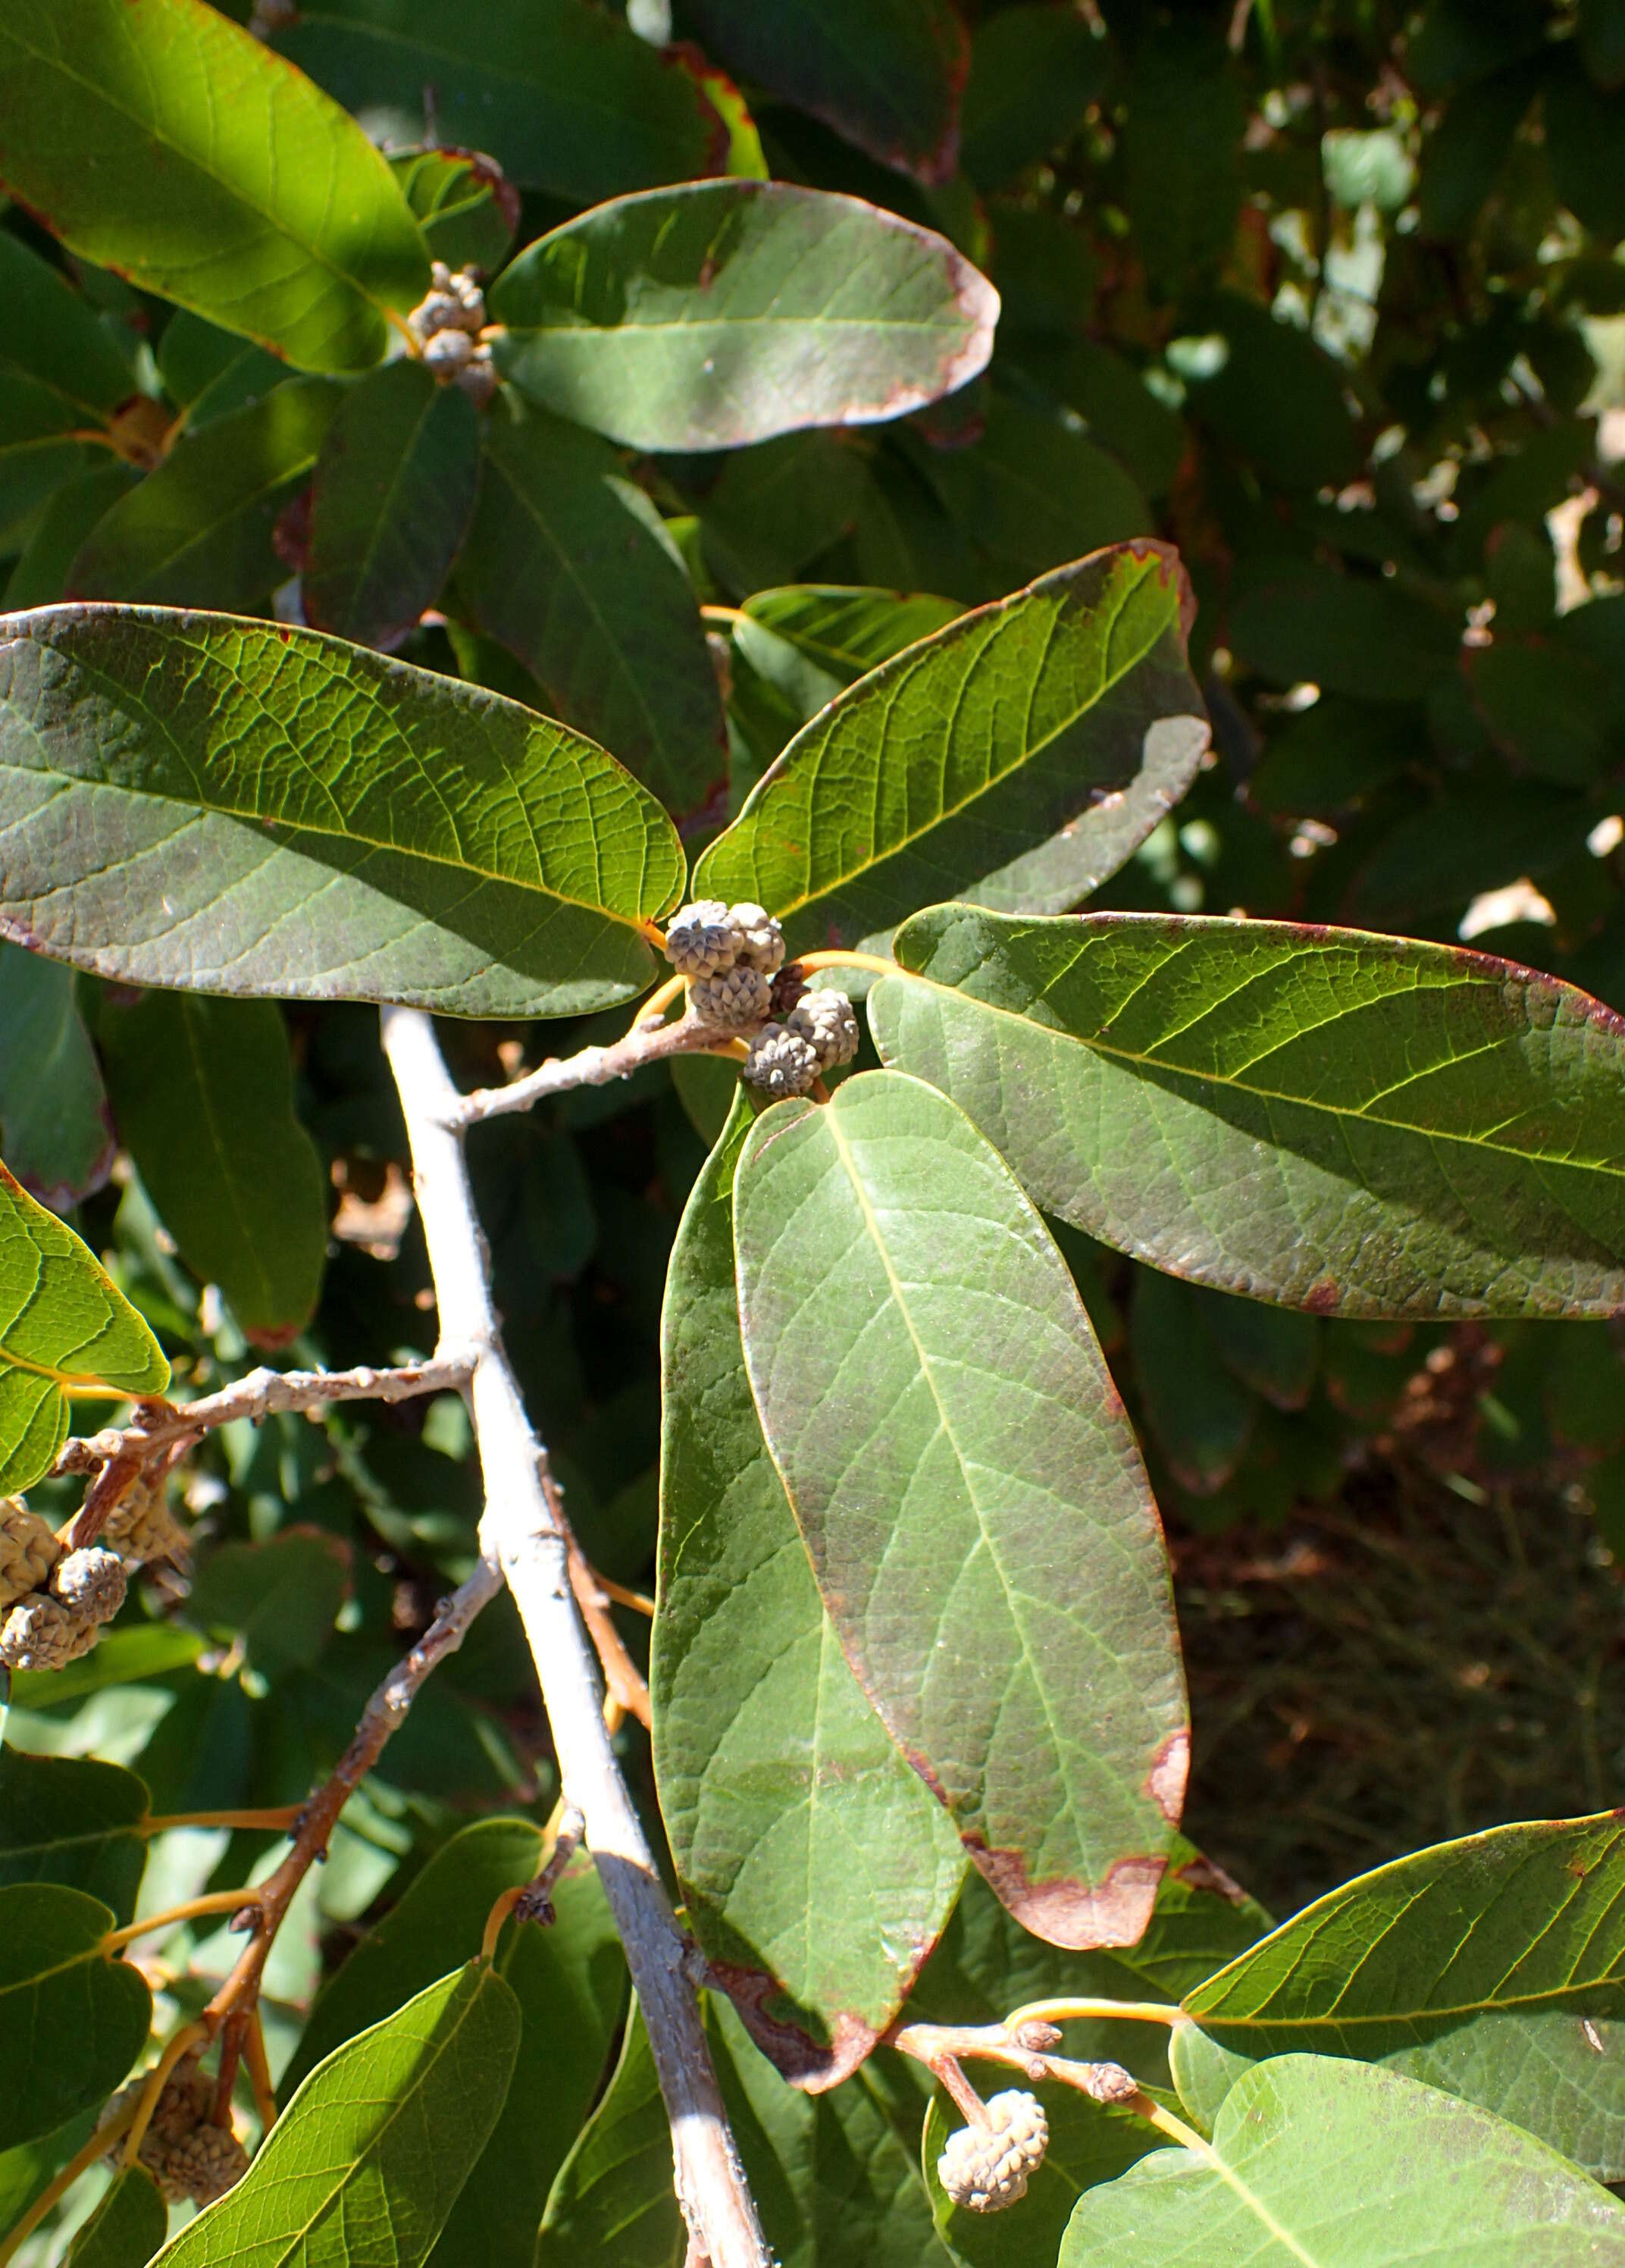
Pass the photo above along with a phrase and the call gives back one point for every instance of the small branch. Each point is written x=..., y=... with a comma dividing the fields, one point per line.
x=260, y=2071
x=384, y=1715
x=622, y=1674
x=179, y=2044
x=650, y=1041
x=212, y=1901
x=1025, y=2048
x=532, y=1901
x=262, y=1394
x=281, y=1820
x=1061, y=2012
x=521, y=1531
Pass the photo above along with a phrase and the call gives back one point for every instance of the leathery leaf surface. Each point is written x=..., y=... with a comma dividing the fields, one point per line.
x=971, y=1494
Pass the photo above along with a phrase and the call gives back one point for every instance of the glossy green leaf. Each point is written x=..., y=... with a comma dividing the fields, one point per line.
x=75, y=1821
x=970, y=1494
x=1316, y=2163
x=1025, y=750
x=202, y=1091
x=367, y=2160
x=1318, y=1117
x=569, y=565
x=465, y=208
x=570, y=1979
x=1035, y=491
x=198, y=529
x=298, y=817
x=278, y=1600
x=62, y=1323
x=163, y=142
x=726, y=311
x=613, y=2202
x=1034, y=71
x=56, y=1131
x=39, y=577
x=1493, y=1967
x=126, y=2227
x=74, y=2019
x=559, y=92
x=816, y=1870
x=53, y=335
x=391, y=502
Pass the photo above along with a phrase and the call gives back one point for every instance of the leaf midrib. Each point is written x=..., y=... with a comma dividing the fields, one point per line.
x=1262, y=1093
x=1029, y=754
x=150, y=127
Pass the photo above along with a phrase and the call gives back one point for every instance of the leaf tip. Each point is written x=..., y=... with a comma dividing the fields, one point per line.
x=1079, y=1916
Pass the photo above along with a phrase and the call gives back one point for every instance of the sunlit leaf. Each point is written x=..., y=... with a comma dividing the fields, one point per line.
x=970, y=1494
x=194, y=800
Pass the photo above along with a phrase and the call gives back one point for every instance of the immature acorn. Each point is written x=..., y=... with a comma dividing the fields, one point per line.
x=28, y=1550
x=733, y=1000
x=984, y=2168
x=186, y=2155
x=49, y=1628
x=708, y=937
x=140, y=1526
x=781, y=1062
x=829, y=1023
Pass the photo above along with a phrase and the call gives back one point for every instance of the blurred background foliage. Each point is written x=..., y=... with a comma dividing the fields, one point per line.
x=1326, y=291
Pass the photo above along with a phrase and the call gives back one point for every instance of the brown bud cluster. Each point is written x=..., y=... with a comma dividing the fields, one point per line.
x=28, y=1550
x=187, y=2155
x=984, y=2168
x=141, y=1527
x=62, y=1619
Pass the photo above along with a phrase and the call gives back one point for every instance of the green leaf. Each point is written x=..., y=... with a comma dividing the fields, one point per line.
x=1033, y=491
x=202, y=1091
x=211, y=372
x=1198, y=1415
x=776, y=507
x=560, y=92
x=199, y=527
x=1034, y=71
x=392, y=500
x=1277, y=397
x=1602, y=41
x=1089, y=2144
x=55, y=1126
x=280, y=1598
x=53, y=335
x=569, y=565
x=726, y=311
x=62, y=1324
x=613, y=2203
x=1316, y=2163
x=126, y=2227
x=1344, y=633
x=366, y=2162
x=1026, y=750
x=816, y=1871
x=970, y=1494
x=238, y=807
x=465, y=207
x=1475, y=1966
x=1186, y=113
x=1110, y=393
x=38, y=453
x=841, y=631
x=74, y=1822
x=165, y=143
x=61, y=531
x=1318, y=1117
x=1584, y=143
x=73, y=2018
x=571, y=1982
x=141, y=1654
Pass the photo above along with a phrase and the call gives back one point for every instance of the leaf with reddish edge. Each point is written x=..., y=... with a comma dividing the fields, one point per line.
x=970, y=1492
x=1026, y=750
x=885, y=74
x=816, y=1871
x=1346, y=1124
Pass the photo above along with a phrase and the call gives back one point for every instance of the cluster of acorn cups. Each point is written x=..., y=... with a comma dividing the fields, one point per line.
x=733, y=959
x=187, y=2154
x=448, y=324
x=55, y=1602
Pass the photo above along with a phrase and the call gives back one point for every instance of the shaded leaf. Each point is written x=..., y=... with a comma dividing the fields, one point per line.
x=38, y=453
x=1584, y=143
x=210, y=371
x=614, y=2202
x=1198, y=1415
x=280, y=1599
x=366, y=2162
x=465, y=208
x=560, y=92
x=139, y=1654
x=391, y=502
x=1026, y=750
x=887, y=74
x=570, y=1980
x=73, y=2018
x=723, y=312
x=75, y=1821
x=816, y=1870
x=970, y=1494
x=569, y=565
x=776, y=507
x=1181, y=145
x=62, y=1323
x=163, y=142
x=53, y=335
x=1089, y=2144
x=202, y=1091
x=302, y=818
x=1034, y=71
x=1119, y=410
x=1278, y=398
x=1345, y=633
x=1339, y=2165
x=1318, y=1117
x=199, y=527
x=75, y=511
x=126, y=2227
x=56, y=1131
x=1475, y=1966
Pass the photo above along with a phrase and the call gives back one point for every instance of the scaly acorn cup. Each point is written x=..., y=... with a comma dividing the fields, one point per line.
x=985, y=2169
